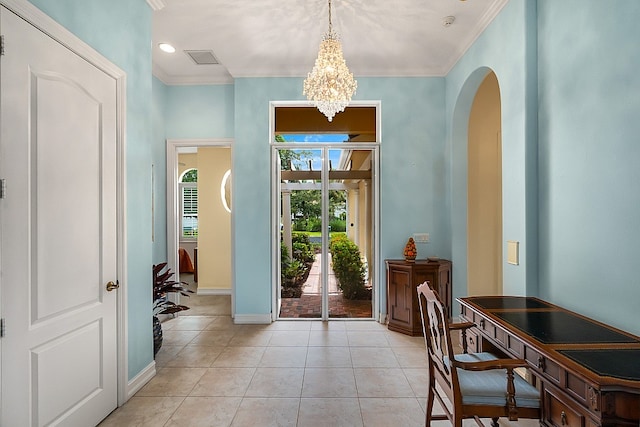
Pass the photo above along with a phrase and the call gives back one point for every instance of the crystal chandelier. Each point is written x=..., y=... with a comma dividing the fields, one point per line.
x=330, y=85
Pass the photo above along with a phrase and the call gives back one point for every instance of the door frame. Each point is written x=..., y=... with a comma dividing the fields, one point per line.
x=173, y=240
x=53, y=29
x=275, y=208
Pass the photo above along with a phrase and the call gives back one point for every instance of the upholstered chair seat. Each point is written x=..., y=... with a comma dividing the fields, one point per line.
x=488, y=387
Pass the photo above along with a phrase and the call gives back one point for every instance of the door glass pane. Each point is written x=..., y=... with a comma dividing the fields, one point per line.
x=350, y=225
x=300, y=233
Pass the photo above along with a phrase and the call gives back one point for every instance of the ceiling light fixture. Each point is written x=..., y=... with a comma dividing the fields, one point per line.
x=166, y=47
x=330, y=84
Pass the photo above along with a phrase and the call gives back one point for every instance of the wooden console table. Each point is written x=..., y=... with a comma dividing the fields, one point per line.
x=402, y=298
x=588, y=372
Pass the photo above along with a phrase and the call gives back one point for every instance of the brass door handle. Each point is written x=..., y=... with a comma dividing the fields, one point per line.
x=111, y=286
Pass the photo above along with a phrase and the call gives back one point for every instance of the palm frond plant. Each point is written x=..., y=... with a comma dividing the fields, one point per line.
x=163, y=285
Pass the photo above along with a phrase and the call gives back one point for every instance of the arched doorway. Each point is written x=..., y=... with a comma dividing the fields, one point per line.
x=484, y=191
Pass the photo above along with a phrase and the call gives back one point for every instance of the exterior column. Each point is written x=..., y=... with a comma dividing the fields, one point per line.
x=286, y=220
x=366, y=235
x=356, y=218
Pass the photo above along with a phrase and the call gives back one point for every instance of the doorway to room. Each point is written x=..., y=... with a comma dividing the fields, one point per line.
x=325, y=199
x=199, y=222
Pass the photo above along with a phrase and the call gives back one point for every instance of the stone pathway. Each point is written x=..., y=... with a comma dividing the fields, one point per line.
x=313, y=285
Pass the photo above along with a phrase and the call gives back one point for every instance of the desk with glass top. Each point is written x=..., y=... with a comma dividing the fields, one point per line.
x=588, y=372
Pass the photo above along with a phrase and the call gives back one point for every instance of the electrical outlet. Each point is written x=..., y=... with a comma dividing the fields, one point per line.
x=421, y=237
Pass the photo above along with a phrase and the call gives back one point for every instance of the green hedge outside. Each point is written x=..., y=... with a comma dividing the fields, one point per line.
x=348, y=267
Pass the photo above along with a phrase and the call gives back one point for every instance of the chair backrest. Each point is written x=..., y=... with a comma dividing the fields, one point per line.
x=438, y=339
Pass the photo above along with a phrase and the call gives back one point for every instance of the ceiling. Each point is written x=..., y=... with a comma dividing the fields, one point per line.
x=280, y=38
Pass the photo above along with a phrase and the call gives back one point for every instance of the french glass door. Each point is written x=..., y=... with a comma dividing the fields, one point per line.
x=325, y=200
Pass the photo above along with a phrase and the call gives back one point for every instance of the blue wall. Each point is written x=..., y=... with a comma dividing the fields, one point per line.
x=200, y=111
x=121, y=31
x=589, y=106
x=159, y=154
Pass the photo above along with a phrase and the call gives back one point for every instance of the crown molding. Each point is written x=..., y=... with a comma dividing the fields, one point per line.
x=189, y=80
x=480, y=28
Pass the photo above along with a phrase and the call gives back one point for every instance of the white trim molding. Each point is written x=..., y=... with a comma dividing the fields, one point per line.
x=173, y=145
x=378, y=281
x=252, y=319
x=141, y=379
x=214, y=291
x=170, y=80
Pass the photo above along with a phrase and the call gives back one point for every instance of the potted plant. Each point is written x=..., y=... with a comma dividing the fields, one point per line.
x=162, y=287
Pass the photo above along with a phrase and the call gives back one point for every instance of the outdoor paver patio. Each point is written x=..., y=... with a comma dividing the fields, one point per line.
x=309, y=306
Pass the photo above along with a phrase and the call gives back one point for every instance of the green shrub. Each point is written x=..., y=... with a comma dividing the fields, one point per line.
x=284, y=256
x=295, y=269
x=314, y=224
x=303, y=252
x=348, y=267
x=293, y=279
x=303, y=248
x=300, y=238
x=337, y=238
x=337, y=235
x=338, y=225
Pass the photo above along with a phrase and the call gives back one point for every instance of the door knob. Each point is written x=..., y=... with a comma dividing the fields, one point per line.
x=111, y=286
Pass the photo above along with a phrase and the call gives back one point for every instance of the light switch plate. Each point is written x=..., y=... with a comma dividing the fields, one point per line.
x=421, y=237
x=512, y=252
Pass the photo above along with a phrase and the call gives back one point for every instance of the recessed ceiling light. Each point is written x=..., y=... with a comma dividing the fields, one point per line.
x=166, y=47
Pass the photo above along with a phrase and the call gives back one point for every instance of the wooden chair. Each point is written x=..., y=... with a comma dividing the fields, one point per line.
x=476, y=385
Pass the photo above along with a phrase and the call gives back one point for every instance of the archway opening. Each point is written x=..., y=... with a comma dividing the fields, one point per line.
x=484, y=191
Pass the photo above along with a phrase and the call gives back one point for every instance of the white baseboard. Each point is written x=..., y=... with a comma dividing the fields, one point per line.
x=213, y=291
x=140, y=380
x=383, y=318
x=252, y=319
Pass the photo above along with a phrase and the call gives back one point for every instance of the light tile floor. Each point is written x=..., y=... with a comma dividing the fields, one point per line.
x=212, y=372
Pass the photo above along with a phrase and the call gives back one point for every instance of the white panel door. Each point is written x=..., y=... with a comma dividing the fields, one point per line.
x=58, y=232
